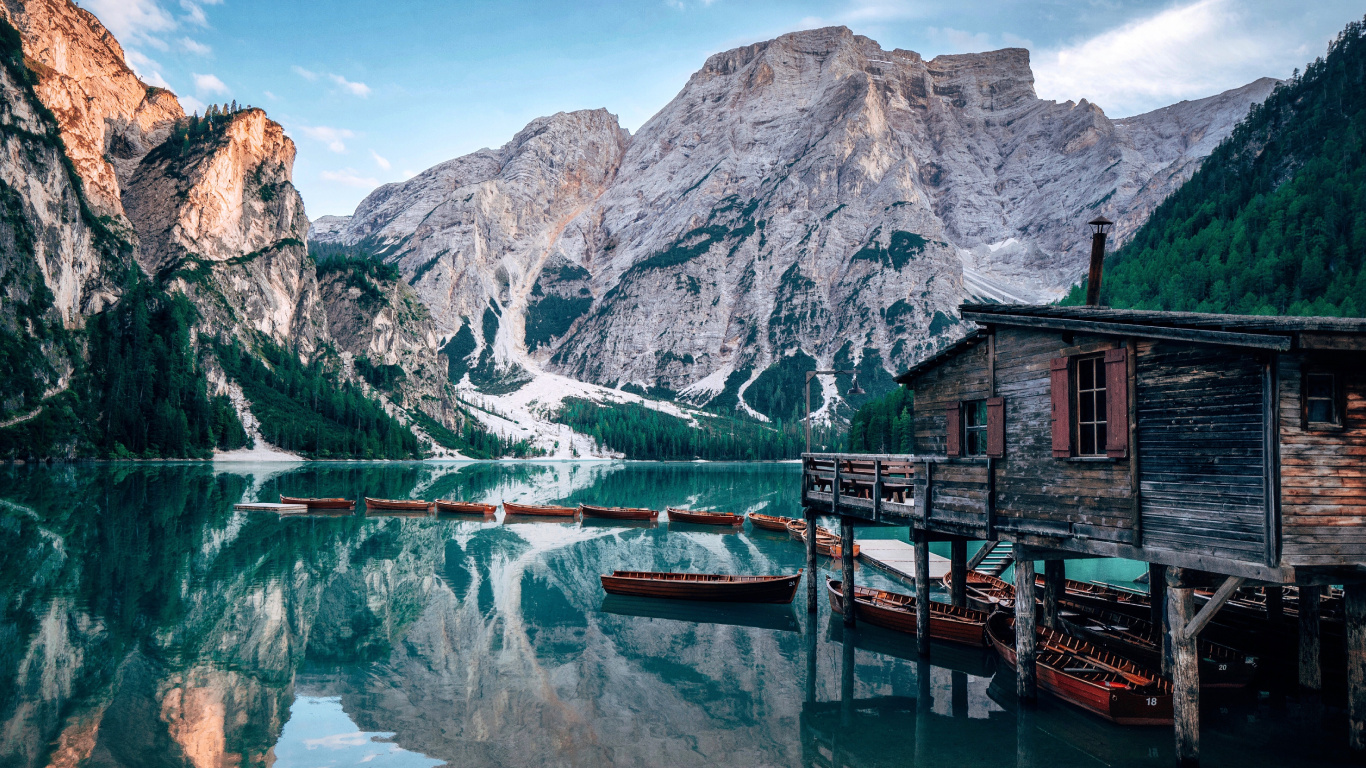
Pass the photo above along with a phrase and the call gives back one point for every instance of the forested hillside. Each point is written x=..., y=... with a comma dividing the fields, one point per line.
x=1274, y=222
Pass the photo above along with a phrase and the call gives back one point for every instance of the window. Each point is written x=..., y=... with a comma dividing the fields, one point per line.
x=1091, y=410
x=975, y=428
x=1321, y=400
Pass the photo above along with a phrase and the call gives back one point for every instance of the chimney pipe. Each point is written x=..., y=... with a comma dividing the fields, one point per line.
x=1100, y=227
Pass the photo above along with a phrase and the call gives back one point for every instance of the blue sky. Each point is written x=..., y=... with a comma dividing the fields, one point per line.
x=373, y=92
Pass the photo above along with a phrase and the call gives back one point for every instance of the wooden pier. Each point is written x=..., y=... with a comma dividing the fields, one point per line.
x=1227, y=452
x=898, y=558
x=266, y=506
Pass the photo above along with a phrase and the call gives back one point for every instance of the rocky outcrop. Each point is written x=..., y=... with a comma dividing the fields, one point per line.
x=813, y=192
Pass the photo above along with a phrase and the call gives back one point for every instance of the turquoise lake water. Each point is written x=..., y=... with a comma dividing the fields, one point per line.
x=145, y=622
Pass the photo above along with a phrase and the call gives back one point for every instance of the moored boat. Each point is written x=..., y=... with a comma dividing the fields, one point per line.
x=618, y=513
x=1081, y=674
x=539, y=510
x=319, y=503
x=895, y=611
x=770, y=522
x=704, y=586
x=827, y=543
x=984, y=591
x=1133, y=638
x=449, y=507
x=398, y=505
x=704, y=518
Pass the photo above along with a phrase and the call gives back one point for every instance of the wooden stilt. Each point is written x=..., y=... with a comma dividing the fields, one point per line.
x=1311, y=672
x=1026, y=685
x=959, y=691
x=1275, y=605
x=847, y=664
x=812, y=574
x=846, y=563
x=1054, y=586
x=811, y=662
x=922, y=591
x=958, y=568
x=1157, y=592
x=1185, y=667
x=1355, y=599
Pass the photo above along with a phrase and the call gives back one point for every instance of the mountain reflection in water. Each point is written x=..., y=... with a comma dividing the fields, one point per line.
x=145, y=622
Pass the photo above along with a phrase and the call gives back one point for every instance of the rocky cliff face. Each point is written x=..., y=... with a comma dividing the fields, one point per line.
x=812, y=192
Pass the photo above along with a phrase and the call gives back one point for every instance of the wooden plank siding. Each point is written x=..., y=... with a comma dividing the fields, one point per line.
x=1323, y=472
x=1201, y=432
x=963, y=377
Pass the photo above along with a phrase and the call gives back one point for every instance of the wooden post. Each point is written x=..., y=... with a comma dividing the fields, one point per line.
x=812, y=574
x=1157, y=593
x=1355, y=599
x=1275, y=605
x=1311, y=672
x=959, y=691
x=1054, y=587
x=877, y=490
x=922, y=590
x=1185, y=667
x=846, y=565
x=811, y=662
x=1026, y=687
x=847, y=664
x=958, y=570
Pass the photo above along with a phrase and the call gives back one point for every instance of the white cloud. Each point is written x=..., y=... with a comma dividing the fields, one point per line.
x=1188, y=51
x=271, y=96
x=357, y=89
x=881, y=10
x=154, y=78
x=308, y=75
x=207, y=84
x=133, y=21
x=350, y=177
x=145, y=68
x=194, y=46
x=332, y=137
x=191, y=105
x=961, y=41
x=381, y=161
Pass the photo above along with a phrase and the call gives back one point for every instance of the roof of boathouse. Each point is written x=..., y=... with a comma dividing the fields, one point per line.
x=1272, y=332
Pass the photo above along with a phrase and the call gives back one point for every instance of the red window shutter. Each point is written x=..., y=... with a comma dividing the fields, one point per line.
x=996, y=427
x=1117, y=403
x=1062, y=413
x=954, y=421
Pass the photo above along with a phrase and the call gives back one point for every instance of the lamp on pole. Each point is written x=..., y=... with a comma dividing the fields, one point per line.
x=1100, y=227
x=853, y=390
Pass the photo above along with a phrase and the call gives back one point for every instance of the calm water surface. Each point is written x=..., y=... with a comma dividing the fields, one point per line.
x=145, y=622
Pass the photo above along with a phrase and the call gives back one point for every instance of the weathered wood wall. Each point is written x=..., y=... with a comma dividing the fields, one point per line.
x=961, y=377
x=1323, y=473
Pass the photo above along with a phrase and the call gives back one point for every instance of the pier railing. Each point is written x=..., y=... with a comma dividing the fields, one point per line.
x=949, y=495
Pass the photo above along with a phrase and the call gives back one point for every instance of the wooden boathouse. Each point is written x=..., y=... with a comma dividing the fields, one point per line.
x=1222, y=450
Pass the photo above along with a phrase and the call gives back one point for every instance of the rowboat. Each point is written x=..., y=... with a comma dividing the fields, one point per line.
x=895, y=611
x=398, y=505
x=618, y=513
x=827, y=543
x=1082, y=674
x=704, y=586
x=704, y=518
x=984, y=591
x=539, y=510
x=769, y=522
x=319, y=503
x=448, y=507
x=1132, y=638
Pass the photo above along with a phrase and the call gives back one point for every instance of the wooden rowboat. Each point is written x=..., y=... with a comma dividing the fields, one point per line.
x=1132, y=638
x=704, y=518
x=398, y=505
x=895, y=611
x=1079, y=673
x=827, y=543
x=984, y=591
x=539, y=510
x=704, y=586
x=319, y=503
x=769, y=522
x=448, y=507
x=618, y=513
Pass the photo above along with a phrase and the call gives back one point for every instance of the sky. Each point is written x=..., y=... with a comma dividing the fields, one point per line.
x=375, y=92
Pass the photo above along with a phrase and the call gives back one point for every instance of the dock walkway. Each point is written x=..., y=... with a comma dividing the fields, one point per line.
x=266, y=506
x=898, y=557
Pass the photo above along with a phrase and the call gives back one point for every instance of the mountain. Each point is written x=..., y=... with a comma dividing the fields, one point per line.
x=1274, y=222
x=147, y=252
x=809, y=200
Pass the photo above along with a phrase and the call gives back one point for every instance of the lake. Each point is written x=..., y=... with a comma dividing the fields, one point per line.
x=148, y=623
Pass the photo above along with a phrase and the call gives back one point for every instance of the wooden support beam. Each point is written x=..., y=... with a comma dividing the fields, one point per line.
x=1354, y=598
x=958, y=569
x=847, y=664
x=812, y=573
x=1311, y=669
x=877, y=490
x=1054, y=586
x=1157, y=592
x=1275, y=605
x=1192, y=628
x=1026, y=643
x=922, y=591
x=1185, y=667
x=811, y=660
x=846, y=565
